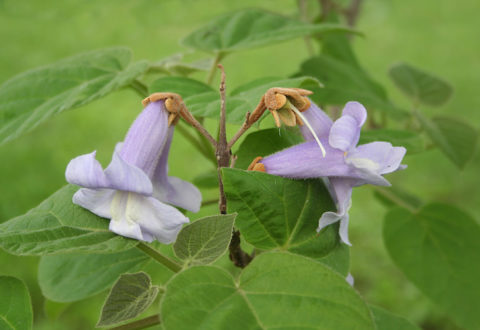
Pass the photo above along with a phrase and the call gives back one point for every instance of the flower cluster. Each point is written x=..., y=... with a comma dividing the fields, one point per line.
x=344, y=166
x=135, y=191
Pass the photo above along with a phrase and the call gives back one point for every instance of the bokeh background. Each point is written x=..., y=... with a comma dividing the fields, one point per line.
x=440, y=36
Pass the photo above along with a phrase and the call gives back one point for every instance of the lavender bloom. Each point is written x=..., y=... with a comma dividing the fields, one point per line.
x=346, y=165
x=133, y=189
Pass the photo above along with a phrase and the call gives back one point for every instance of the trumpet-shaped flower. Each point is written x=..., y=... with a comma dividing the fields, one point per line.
x=134, y=190
x=345, y=165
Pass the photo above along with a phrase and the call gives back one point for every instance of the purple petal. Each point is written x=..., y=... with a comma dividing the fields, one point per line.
x=97, y=201
x=378, y=157
x=145, y=218
x=126, y=177
x=345, y=133
x=86, y=171
x=319, y=121
x=179, y=193
x=357, y=111
x=146, y=138
x=343, y=231
x=173, y=190
x=156, y=219
x=305, y=160
x=342, y=193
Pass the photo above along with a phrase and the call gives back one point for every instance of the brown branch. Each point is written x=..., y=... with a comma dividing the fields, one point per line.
x=222, y=151
x=352, y=12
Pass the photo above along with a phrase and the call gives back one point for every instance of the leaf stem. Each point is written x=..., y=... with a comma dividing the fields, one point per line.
x=164, y=260
x=213, y=69
x=140, y=324
x=139, y=87
x=204, y=148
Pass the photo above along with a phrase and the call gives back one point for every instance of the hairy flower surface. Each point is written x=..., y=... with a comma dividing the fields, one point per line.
x=345, y=165
x=134, y=190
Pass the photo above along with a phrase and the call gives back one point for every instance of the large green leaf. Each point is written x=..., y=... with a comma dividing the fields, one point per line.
x=205, y=240
x=455, y=138
x=251, y=28
x=410, y=140
x=277, y=290
x=66, y=278
x=34, y=96
x=421, y=86
x=58, y=226
x=243, y=99
x=388, y=321
x=131, y=295
x=15, y=306
x=346, y=82
x=280, y=213
x=265, y=142
x=437, y=249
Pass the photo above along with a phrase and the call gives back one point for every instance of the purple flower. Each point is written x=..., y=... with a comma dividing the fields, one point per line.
x=134, y=189
x=345, y=165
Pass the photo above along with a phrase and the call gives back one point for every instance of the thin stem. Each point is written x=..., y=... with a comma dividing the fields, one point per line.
x=139, y=87
x=205, y=149
x=164, y=260
x=210, y=202
x=245, y=126
x=211, y=73
x=393, y=198
x=140, y=324
x=351, y=13
x=302, y=7
x=192, y=121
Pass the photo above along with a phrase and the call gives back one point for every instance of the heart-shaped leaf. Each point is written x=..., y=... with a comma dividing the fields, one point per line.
x=280, y=213
x=131, y=295
x=205, y=240
x=277, y=290
x=436, y=248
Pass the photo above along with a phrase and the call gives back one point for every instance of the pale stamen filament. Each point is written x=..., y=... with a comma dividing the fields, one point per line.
x=302, y=117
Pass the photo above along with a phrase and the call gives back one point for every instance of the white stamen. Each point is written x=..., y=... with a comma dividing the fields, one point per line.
x=310, y=128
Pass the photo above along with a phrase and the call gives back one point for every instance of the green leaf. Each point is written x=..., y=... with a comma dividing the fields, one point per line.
x=265, y=142
x=410, y=140
x=280, y=213
x=131, y=295
x=67, y=278
x=277, y=290
x=183, y=86
x=15, y=306
x=421, y=86
x=31, y=98
x=388, y=321
x=243, y=99
x=436, y=248
x=455, y=138
x=185, y=69
x=53, y=309
x=345, y=82
x=58, y=226
x=251, y=28
x=207, y=180
x=205, y=240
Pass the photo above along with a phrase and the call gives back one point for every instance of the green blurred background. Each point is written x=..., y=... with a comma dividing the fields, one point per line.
x=439, y=36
